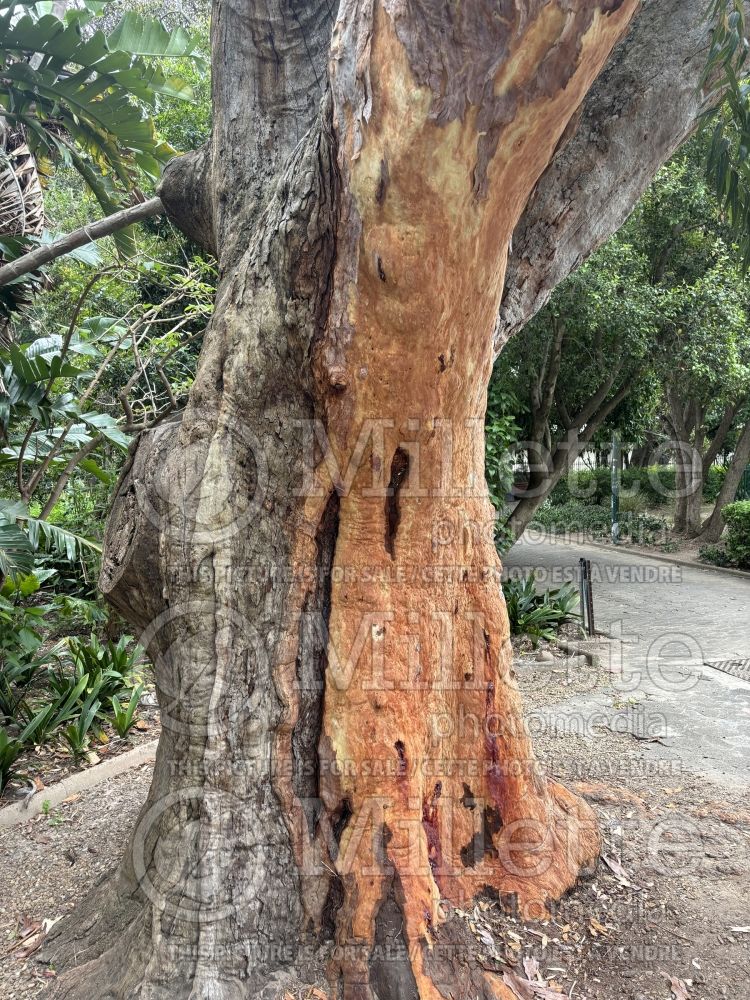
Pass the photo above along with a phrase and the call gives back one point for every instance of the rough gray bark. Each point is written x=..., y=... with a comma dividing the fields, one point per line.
x=185, y=190
x=643, y=106
x=198, y=557
x=269, y=75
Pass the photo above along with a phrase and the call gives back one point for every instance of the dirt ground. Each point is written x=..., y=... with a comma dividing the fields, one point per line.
x=50, y=862
x=666, y=916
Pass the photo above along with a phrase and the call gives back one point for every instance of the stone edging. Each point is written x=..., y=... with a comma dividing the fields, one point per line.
x=674, y=560
x=573, y=649
x=81, y=781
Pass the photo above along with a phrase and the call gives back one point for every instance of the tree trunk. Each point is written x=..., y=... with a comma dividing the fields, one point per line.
x=643, y=454
x=686, y=420
x=689, y=490
x=713, y=526
x=565, y=454
x=309, y=553
x=694, y=480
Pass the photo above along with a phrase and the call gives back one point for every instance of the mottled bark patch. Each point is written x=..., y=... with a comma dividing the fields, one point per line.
x=501, y=56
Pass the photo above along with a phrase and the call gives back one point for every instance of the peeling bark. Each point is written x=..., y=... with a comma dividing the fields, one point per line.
x=435, y=651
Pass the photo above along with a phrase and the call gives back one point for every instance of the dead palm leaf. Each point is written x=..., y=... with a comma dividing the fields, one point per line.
x=21, y=195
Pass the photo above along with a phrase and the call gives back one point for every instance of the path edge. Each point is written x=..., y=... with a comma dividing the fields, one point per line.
x=81, y=781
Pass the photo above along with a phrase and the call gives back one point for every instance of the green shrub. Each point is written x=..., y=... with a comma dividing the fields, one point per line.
x=632, y=504
x=19, y=663
x=574, y=517
x=10, y=750
x=643, y=529
x=595, y=521
x=713, y=482
x=48, y=716
x=41, y=723
x=657, y=483
x=76, y=735
x=584, y=486
x=539, y=615
x=108, y=667
x=716, y=555
x=737, y=517
x=123, y=718
x=655, y=486
x=78, y=612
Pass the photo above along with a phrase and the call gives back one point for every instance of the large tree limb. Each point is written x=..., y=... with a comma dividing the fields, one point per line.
x=185, y=190
x=719, y=438
x=643, y=106
x=713, y=526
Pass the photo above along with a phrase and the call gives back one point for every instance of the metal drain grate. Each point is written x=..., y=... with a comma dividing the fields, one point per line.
x=736, y=668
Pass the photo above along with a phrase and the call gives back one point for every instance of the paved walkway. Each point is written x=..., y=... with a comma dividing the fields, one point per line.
x=670, y=621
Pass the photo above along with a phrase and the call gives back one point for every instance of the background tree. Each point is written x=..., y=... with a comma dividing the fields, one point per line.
x=660, y=311
x=702, y=298
x=99, y=355
x=73, y=94
x=578, y=361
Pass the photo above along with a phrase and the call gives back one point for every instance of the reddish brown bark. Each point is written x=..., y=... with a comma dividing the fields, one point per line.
x=423, y=745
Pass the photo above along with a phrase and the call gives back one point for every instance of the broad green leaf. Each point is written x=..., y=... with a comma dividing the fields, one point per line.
x=107, y=426
x=145, y=36
x=16, y=551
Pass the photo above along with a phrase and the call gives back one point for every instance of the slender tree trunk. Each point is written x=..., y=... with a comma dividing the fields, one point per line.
x=580, y=433
x=686, y=421
x=564, y=456
x=713, y=526
x=309, y=550
x=694, y=499
x=642, y=455
x=689, y=489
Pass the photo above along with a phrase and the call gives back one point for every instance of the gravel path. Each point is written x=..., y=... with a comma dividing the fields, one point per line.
x=49, y=863
x=675, y=621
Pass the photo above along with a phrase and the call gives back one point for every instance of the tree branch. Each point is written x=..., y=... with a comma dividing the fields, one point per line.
x=62, y=482
x=592, y=404
x=717, y=441
x=79, y=238
x=552, y=370
x=186, y=193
